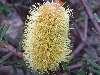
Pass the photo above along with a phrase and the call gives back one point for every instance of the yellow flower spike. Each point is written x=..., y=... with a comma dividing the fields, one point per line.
x=46, y=41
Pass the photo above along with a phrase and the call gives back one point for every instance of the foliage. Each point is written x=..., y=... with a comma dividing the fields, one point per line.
x=4, y=9
x=95, y=67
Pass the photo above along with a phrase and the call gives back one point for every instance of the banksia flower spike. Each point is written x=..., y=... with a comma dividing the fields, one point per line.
x=46, y=41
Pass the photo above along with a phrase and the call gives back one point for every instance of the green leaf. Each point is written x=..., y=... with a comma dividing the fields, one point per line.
x=95, y=32
x=64, y=65
x=84, y=66
x=91, y=54
x=5, y=57
x=5, y=13
x=5, y=28
x=4, y=9
x=19, y=33
x=6, y=39
x=1, y=4
x=80, y=19
x=1, y=43
x=20, y=45
x=92, y=63
x=81, y=72
x=74, y=61
x=24, y=70
x=90, y=1
x=96, y=17
x=19, y=48
x=13, y=62
x=1, y=8
x=14, y=69
x=65, y=74
x=1, y=29
x=98, y=44
x=81, y=7
x=26, y=0
x=61, y=68
x=94, y=70
x=15, y=6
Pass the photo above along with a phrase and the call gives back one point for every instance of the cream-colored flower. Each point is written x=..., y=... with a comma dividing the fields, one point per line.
x=46, y=41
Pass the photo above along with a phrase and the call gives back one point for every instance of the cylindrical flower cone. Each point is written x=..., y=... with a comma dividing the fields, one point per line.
x=46, y=41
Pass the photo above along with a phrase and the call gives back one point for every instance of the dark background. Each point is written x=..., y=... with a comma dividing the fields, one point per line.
x=82, y=36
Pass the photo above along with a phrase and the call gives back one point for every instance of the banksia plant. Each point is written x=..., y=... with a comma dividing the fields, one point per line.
x=46, y=41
